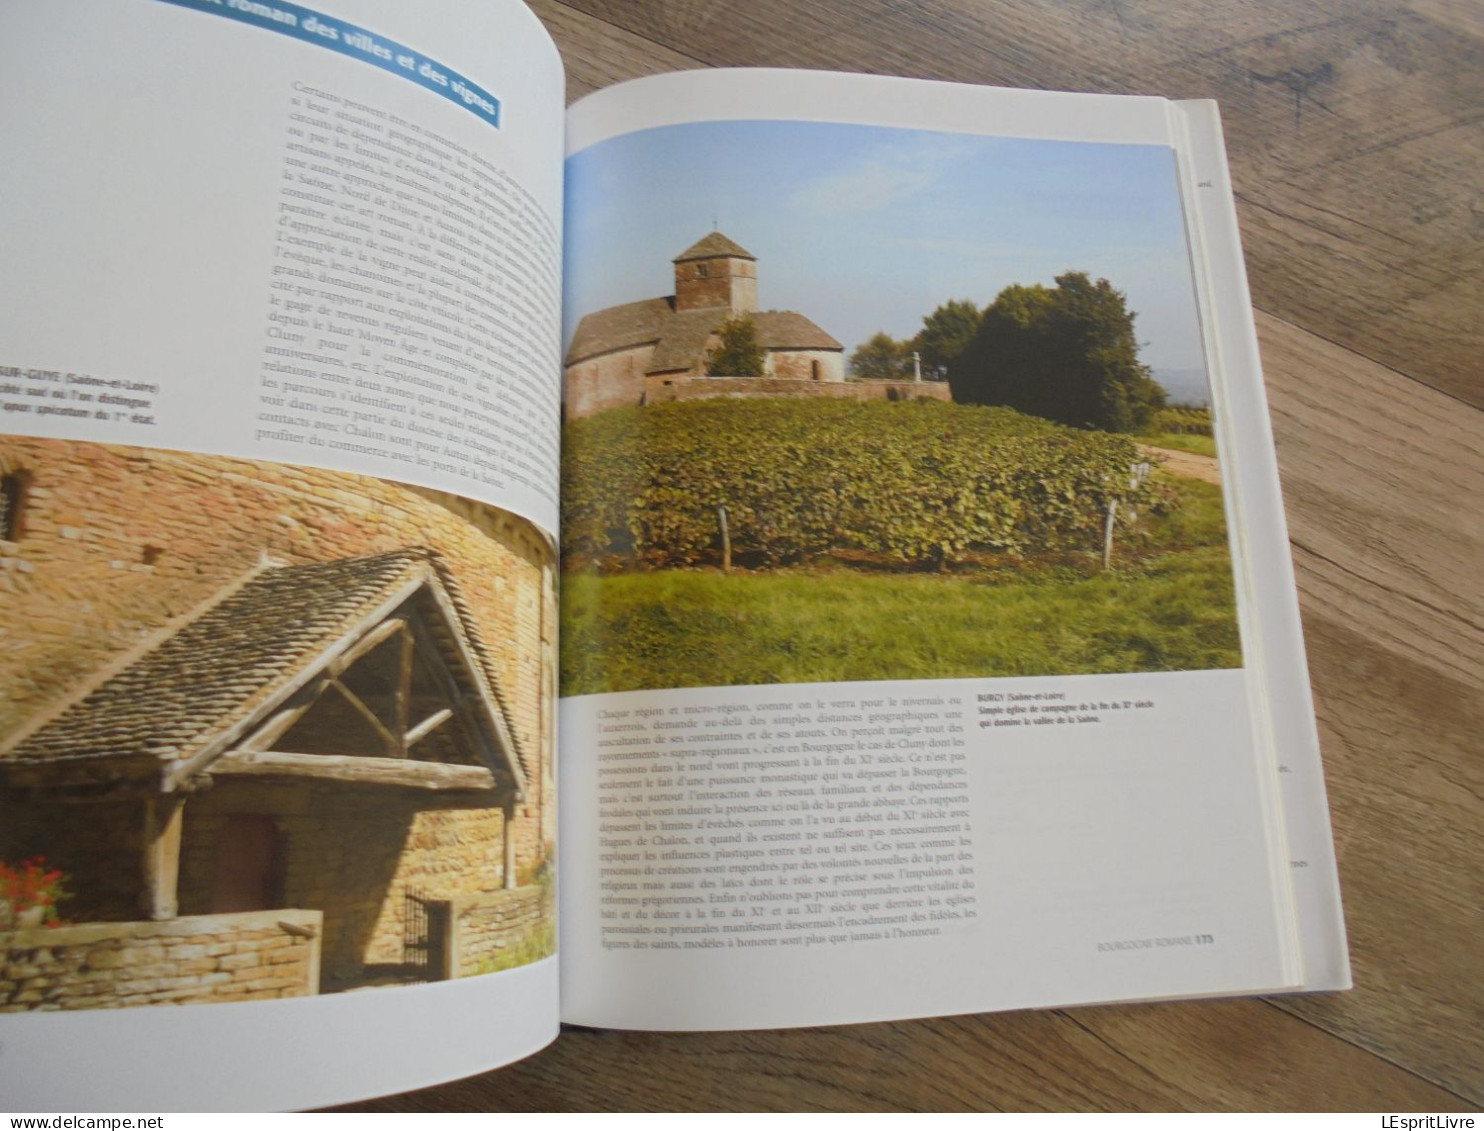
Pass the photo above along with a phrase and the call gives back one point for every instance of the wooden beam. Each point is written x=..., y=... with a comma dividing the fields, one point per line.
x=377, y=636
x=87, y=772
x=508, y=831
x=427, y=726
x=269, y=733
x=390, y=743
x=404, y=691
x=163, y=817
x=230, y=737
x=466, y=711
x=401, y=773
x=503, y=743
x=434, y=666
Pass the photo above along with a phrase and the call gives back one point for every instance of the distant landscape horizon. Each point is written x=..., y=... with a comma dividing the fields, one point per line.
x=1185, y=386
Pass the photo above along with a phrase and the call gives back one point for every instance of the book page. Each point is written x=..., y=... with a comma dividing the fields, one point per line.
x=278, y=449
x=911, y=656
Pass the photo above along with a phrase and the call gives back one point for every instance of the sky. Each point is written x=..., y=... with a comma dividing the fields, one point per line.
x=867, y=228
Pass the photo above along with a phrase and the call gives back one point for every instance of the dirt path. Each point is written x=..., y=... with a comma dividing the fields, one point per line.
x=1187, y=463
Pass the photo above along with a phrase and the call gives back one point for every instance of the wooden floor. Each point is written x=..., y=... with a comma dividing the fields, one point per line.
x=1358, y=154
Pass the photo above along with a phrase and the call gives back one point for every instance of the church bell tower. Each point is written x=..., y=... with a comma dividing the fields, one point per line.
x=716, y=272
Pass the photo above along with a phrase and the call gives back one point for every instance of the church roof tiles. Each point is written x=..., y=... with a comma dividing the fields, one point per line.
x=713, y=246
x=679, y=337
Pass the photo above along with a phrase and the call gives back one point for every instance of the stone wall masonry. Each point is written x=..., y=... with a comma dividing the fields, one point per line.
x=98, y=845
x=485, y=925
x=806, y=365
x=727, y=282
x=614, y=380
x=249, y=956
x=617, y=380
x=661, y=389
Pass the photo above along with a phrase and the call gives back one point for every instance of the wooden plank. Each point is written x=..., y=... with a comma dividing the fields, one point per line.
x=1180, y=1057
x=1382, y=483
x=399, y=772
x=1356, y=138
x=599, y=54
x=482, y=716
x=1405, y=783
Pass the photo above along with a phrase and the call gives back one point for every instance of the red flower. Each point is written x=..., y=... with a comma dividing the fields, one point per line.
x=31, y=884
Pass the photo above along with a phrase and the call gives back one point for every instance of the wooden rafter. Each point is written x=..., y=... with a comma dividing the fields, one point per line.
x=269, y=732
x=428, y=725
x=477, y=716
x=368, y=643
x=391, y=744
x=182, y=771
x=495, y=750
x=404, y=691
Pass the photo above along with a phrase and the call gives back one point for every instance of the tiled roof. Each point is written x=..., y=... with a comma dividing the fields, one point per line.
x=790, y=330
x=240, y=653
x=711, y=247
x=679, y=338
x=687, y=333
x=620, y=328
x=685, y=338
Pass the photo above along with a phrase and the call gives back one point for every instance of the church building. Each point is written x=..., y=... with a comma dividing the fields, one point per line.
x=619, y=355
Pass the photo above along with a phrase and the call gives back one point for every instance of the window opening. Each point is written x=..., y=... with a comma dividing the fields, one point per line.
x=12, y=495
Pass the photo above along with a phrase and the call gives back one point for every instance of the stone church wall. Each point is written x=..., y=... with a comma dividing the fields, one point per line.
x=806, y=365
x=614, y=380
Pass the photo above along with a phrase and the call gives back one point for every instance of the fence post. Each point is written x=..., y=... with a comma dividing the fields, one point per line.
x=726, y=541
x=1137, y=474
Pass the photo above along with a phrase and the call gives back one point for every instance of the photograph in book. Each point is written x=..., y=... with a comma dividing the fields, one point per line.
x=266, y=731
x=848, y=402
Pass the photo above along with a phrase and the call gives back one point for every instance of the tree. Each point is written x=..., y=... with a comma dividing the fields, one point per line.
x=1067, y=353
x=881, y=358
x=944, y=336
x=739, y=354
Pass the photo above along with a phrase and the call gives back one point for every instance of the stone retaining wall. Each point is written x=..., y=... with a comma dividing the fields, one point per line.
x=661, y=389
x=246, y=956
x=484, y=925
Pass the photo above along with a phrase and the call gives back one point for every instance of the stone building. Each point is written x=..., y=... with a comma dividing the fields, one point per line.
x=285, y=730
x=620, y=354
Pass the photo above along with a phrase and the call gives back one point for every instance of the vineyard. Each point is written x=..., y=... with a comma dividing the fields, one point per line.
x=1181, y=421
x=915, y=484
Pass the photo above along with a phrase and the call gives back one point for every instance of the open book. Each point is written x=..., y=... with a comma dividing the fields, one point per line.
x=929, y=640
